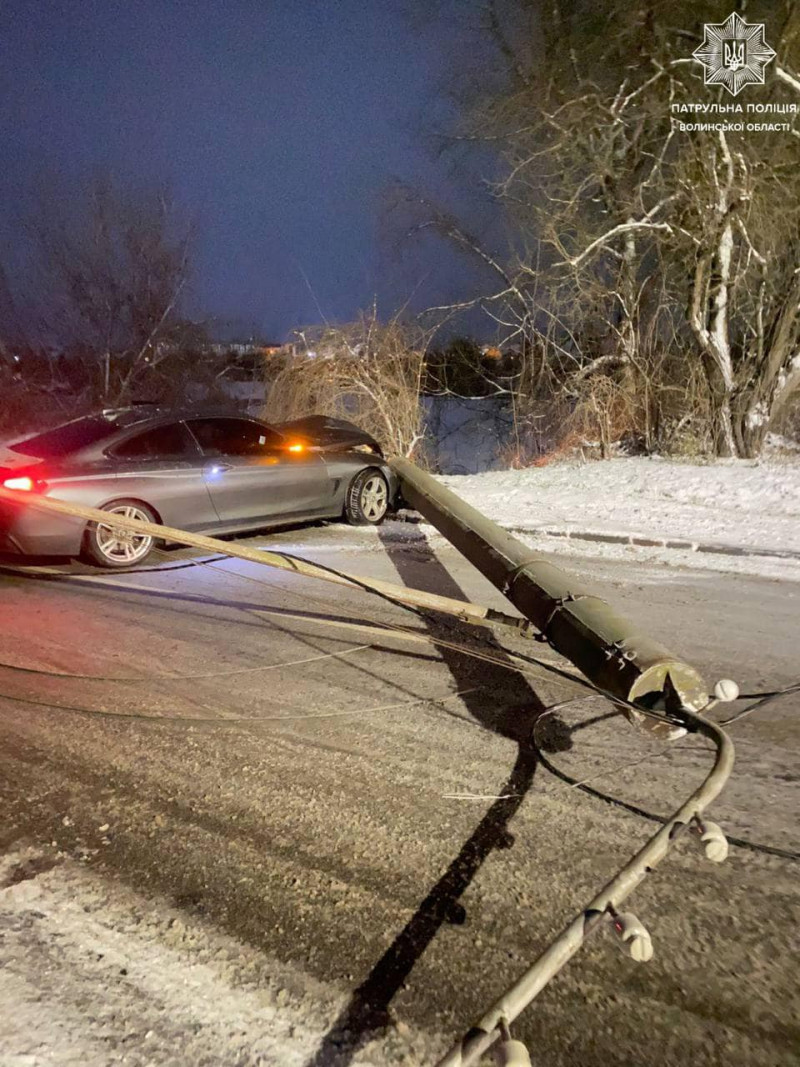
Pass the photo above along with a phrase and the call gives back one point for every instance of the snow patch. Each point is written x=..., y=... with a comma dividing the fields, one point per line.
x=752, y=503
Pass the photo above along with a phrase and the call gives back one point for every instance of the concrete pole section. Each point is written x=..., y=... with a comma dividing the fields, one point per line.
x=606, y=647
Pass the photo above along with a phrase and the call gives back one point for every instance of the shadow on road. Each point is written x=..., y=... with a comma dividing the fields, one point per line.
x=368, y=1010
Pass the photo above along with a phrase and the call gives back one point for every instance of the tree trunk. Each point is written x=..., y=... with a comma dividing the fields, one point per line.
x=750, y=430
x=724, y=439
x=722, y=422
x=774, y=380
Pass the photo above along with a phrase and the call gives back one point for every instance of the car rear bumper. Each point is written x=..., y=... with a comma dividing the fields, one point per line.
x=8, y=544
x=29, y=531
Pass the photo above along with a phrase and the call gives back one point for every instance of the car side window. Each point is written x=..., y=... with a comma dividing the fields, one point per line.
x=163, y=442
x=233, y=437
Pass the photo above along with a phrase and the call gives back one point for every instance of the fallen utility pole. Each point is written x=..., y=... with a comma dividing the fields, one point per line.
x=606, y=647
x=418, y=598
x=616, y=657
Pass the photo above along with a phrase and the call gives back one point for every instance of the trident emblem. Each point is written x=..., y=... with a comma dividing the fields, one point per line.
x=735, y=56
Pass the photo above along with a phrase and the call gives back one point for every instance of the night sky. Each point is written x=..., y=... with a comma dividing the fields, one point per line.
x=278, y=125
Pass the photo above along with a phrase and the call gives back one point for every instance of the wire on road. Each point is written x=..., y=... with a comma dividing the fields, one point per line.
x=643, y=813
x=220, y=720
x=47, y=673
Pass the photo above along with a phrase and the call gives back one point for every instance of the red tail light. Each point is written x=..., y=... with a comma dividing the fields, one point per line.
x=22, y=483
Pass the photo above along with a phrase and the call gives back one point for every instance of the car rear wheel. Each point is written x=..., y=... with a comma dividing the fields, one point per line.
x=367, y=499
x=112, y=546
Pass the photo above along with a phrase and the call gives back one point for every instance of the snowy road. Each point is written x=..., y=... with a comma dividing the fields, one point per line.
x=259, y=850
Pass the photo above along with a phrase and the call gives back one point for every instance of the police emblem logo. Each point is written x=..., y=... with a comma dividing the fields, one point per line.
x=734, y=54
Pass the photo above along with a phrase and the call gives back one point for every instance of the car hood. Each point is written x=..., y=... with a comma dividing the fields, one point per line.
x=328, y=433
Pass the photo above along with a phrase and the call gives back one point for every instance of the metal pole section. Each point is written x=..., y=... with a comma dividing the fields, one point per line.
x=487, y=1031
x=608, y=648
x=474, y=613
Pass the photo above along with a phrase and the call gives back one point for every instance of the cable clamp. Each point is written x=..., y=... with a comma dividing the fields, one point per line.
x=559, y=603
x=712, y=838
x=508, y=1052
x=618, y=651
x=633, y=934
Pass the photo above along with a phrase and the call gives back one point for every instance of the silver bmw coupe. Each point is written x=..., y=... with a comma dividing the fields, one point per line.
x=203, y=472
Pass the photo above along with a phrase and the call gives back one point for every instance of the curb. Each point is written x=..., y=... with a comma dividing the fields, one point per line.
x=659, y=542
x=636, y=539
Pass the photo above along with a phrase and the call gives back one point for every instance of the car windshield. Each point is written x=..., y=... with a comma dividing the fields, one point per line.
x=63, y=440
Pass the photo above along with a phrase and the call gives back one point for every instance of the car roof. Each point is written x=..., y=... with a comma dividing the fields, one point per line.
x=141, y=414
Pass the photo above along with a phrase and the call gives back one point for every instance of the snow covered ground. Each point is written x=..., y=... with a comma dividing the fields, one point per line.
x=747, y=504
x=95, y=974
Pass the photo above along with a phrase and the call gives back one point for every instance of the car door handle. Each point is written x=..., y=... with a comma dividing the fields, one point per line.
x=218, y=467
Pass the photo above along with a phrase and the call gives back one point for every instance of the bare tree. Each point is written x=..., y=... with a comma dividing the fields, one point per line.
x=741, y=227
x=638, y=250
x=112, y=285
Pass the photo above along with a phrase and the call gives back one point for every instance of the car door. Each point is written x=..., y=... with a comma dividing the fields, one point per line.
x=255, y=475
x=163, y=466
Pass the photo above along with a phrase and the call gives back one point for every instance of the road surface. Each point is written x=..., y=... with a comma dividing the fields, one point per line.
x=253, y=838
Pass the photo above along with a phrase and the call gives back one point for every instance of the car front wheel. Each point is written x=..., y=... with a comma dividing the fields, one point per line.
x=367, y=499
x=113, y=546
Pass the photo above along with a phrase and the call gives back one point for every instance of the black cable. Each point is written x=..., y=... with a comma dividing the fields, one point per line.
x=424, y=614
x=180, y=566
x=634, y=809
x=57, y=577
x=350, y=580
x=420, y=614
x=585, y=683
x=762, y=700
x=740, y=842
x=794, y=687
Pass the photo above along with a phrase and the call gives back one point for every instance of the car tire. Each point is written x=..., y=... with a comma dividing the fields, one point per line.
x=101, y=547
x=367, y=499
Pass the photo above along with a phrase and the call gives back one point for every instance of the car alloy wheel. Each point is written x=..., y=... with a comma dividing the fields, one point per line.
x=374, y=498
x=118, y=546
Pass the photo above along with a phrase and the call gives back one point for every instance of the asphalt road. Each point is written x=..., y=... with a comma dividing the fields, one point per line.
x=255, y=838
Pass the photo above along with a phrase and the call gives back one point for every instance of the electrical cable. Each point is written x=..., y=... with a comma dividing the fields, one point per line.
x=545, y=762
x=512, y=664
x=762, y=700
x=180, y=565
x=233, y=721
x=515, y=663
x=510, y=661
x=519, y=663
x=46, y=673
x=634, y=809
